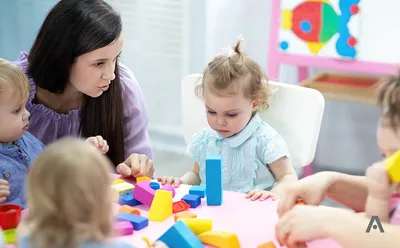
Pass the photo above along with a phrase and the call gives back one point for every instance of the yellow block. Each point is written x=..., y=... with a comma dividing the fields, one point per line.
x=393, y=167
x=121, y=189
x=220, y=239
x=116, y=181
x=139, y=179
x=185, y=214
x=198, y=225
x=161, y=207
x=286, y=22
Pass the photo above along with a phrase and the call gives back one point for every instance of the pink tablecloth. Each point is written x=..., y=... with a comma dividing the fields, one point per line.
x=252, y=221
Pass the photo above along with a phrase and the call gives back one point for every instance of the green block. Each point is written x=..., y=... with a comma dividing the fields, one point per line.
x=330, y=23
x=10, y=236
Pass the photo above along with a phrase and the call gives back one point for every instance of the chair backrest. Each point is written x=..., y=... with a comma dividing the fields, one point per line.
x=294, y=111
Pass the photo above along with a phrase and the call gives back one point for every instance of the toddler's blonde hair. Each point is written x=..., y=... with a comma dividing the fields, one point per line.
x=232, y=71
x=388, y=98
x=69, y=195
x=12, y=76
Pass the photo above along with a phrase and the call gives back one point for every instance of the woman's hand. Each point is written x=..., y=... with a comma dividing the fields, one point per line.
x=136, y=165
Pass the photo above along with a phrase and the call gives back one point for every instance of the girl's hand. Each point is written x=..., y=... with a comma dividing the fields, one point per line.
x=378, y=182
x=261, y=195
x=99, y=143
x=4, y=190
x=306, y=223
x=170, y=180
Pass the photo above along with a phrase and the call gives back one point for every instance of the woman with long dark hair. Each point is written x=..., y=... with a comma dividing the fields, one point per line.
x=78, y=87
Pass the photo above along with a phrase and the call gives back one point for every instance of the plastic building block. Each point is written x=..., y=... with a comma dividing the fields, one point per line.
x=10, y=236
x=121, y=189
x=169, y=187
x=128, y=209
x=10, y=216
x=214, y=190
x=117, y=181
x=198, y=225
x=122, y=228
x=270, y=244
x=180, y=236
x=198, y=190
x=139, y=179
x=192, y=200
x=220, y=239
x=144, y=193
x=129, y=200
x=155, y=185
x=393, y=167
x=184, y=215
x=179, y=206
x=161, y=208
x=138, y=222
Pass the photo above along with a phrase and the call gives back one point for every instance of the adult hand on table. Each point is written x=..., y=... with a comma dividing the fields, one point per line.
x=310, y=190
x=136, y=165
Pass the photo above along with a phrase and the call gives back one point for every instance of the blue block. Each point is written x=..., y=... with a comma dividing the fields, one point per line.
x=198, y=190
x=129, y=200
x=155, y=185
x=192, y=200
x=180, y=236
x=214, y=188
x=138, y=222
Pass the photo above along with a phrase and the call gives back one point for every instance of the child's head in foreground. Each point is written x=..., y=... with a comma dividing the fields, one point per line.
x=14, y=92
x=69, y=195
x=388, y=134
x=233, y=87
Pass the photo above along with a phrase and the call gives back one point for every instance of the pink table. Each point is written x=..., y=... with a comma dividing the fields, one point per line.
x=253, y=221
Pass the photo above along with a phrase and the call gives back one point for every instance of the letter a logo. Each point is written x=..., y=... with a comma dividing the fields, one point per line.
x=375, y=226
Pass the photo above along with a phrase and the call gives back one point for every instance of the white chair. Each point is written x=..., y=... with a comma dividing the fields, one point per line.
x=294, y=111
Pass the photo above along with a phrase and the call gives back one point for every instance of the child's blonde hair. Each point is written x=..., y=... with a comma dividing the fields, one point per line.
x=12, y=76
x=69, y=195
x=388, y=98
x=235, y=70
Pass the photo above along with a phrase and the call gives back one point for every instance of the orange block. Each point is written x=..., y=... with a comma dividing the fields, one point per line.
x=129, y=209
x=184, y=215
x=270, y=244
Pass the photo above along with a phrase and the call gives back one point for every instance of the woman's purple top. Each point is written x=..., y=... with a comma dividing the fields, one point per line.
x=48, y=125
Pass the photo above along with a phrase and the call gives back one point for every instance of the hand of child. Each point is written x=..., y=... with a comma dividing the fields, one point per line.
x=305, y=223
x=261, y=195
x=170, y=180
x=4, y=190
x=378, y=182
x=99, y=143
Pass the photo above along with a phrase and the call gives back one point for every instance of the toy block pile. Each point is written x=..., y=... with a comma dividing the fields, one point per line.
x=10, y=216
x=188, y=231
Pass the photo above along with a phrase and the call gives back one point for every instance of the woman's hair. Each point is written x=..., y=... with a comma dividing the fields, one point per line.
x=69, y=195
x=234, y=70
x=388, y=98
x=71, y=29
x=12, y=76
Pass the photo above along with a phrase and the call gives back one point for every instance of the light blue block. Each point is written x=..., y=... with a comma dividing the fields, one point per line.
x=214, y=190
x=198, y=190
x=180, y=236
